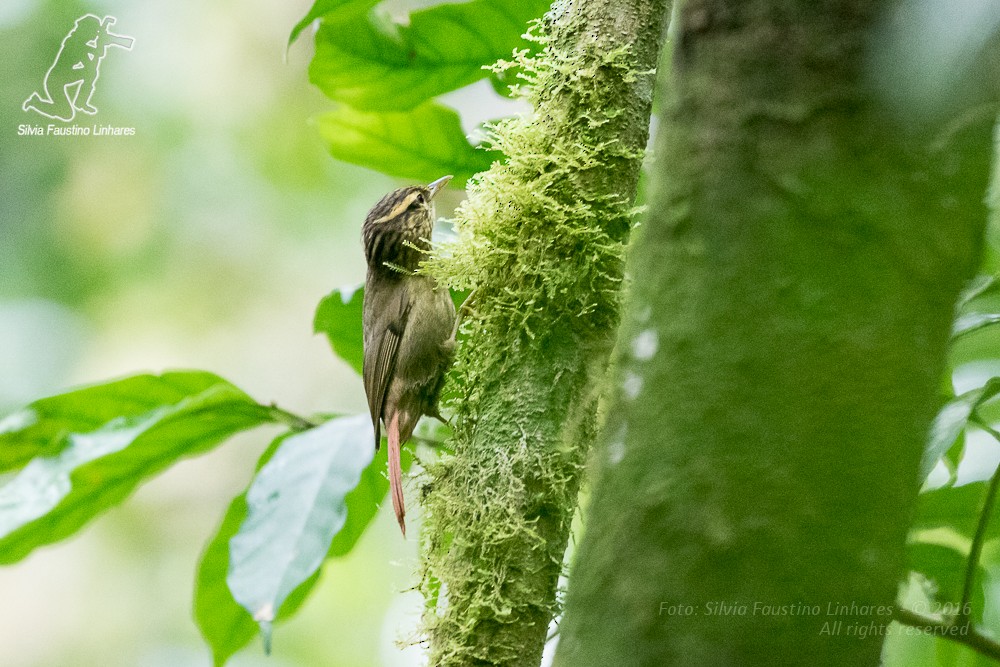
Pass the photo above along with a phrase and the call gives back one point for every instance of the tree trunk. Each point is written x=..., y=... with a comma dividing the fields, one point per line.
x=791, y=300
x=541, y=241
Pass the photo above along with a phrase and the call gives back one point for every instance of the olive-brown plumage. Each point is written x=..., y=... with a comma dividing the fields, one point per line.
x=408, y=321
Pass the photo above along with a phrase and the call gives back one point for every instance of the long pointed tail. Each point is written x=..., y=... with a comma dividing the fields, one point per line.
x=395, y=472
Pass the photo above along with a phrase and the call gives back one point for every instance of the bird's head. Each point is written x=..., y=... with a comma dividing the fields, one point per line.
x=402, y=218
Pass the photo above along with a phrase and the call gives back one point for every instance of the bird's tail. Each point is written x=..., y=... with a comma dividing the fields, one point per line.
x=395, y=472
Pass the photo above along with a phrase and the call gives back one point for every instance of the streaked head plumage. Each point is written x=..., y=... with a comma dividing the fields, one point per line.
x=402, y=218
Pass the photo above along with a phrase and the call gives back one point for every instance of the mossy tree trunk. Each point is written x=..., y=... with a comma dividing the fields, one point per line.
x=780, y=356
x=541, y=241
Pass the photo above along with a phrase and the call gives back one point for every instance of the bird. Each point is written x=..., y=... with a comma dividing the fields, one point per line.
x=408, y=321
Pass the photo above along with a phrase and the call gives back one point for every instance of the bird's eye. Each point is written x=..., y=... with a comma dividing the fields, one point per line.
x=419, y=201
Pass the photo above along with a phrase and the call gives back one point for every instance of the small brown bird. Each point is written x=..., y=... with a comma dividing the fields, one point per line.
x=408, y=321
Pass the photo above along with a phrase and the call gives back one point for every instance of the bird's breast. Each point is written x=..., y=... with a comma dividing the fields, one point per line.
x=402, y=247
x=429, y=327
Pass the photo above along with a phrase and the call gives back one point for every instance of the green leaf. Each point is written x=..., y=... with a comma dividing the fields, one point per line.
x=951, y=653
x=330, y=8
x=946, y=568
x=373, y=64
x=109, y=438
x=41, y=429
x=424, y=143
x=226, y=626
x=224, y=623
x=948, y=427
x=979, y=286
x=365, y=500
x=966, y=324
x=953, y=457
x=295, y=507
x=338, y=317
x=952, y=420
x=955, y=507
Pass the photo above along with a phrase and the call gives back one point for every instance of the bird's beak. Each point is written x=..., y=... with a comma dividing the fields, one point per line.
x=438, y=185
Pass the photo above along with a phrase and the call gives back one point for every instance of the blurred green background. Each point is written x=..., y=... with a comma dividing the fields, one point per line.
x=204, y=241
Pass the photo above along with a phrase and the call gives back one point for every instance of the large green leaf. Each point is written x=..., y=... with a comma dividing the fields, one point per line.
x=330, y=8
x=338, y=316
x=952, y=420
x=224, y=623
x=226, y=626
x=424, y=143
x=99, y=443
x=375, y=64
x=955, y=507
x=295, y=507
x=43, y=427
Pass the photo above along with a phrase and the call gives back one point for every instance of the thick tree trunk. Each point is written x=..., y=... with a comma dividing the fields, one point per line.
x=792, y=293
x=541, y=242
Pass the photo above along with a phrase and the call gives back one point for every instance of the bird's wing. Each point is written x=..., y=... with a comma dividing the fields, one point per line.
x=380, y=365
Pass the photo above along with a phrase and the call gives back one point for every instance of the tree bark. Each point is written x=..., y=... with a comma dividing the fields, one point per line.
x=792, y=293
x=541, y=242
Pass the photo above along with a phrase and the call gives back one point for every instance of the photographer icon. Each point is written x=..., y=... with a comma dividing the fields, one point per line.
x=73, y=76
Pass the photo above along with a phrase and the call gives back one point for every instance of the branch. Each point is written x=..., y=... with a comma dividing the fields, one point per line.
x=979, y=539
x=290, y=419
x=962, y=634
x=540, y=242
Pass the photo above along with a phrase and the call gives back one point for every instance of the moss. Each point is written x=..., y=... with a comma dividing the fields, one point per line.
x=534, y=241
x=540, y=239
